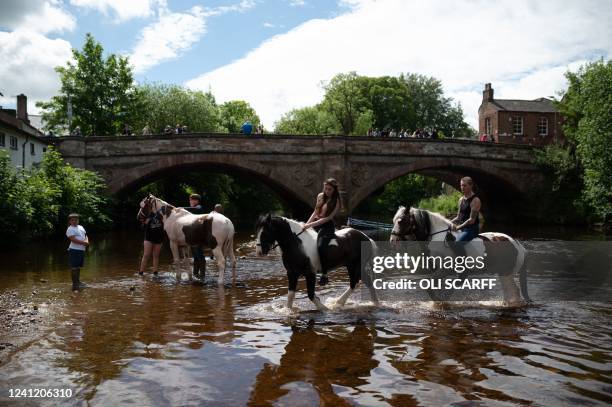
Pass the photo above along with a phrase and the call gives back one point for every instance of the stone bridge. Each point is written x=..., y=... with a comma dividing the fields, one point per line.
x=295, y=166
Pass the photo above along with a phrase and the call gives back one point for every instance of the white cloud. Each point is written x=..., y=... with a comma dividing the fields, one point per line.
x=268, y=24
x=29, y=60
x=172, y=34
x=297, y=3
x=36, y=15
x=122, y=10
x=522, y=47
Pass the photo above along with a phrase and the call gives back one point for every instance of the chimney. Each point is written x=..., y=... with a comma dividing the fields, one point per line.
x=487, y=94
x=22, y=108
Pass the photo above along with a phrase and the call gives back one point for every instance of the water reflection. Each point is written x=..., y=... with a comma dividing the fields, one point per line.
x=156, y=341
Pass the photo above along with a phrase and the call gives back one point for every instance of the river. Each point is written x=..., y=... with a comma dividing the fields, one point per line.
x=155, y=341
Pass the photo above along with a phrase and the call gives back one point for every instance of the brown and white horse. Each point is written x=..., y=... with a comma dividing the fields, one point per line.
x=301, y=258
x=426, y=226
x=213, y=231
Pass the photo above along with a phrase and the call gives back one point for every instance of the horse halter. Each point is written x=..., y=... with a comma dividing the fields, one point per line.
x=413, y=229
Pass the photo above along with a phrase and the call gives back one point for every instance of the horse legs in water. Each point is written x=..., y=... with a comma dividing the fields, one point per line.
x=176, y=259
x=354, y=275
x=292, y=283
x=218, y=253
x=512, y=297
x=310, y=286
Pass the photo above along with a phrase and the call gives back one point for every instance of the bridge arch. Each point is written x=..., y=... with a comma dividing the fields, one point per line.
x=128, y=181
x=501, y=197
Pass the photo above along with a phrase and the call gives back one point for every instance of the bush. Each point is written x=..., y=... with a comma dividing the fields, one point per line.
x=37, y=201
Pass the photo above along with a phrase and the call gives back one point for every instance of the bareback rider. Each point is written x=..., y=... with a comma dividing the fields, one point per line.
x=466, y=221
x=322, y=220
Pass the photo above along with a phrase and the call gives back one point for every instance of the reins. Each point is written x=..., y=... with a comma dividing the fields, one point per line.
x=296, y=235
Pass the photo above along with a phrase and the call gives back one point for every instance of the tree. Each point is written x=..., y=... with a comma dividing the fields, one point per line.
x=344, y=100
x=586, y=107
x=307, y=120
x=167, y=105
x=101, y=92
x=234, y=113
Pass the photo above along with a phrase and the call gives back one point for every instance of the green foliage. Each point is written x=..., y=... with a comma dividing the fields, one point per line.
x=580, y=172
x=404, y=191
x=307, y=120
x=38, y=201
x=234, y=113
x=443, y=204
x=344, y=100
x=356, y=103
x=586, y=107
x=243, y=200
x=101, y=91
x=168, y=105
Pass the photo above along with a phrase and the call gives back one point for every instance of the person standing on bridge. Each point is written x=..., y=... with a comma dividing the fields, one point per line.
x=327, y=205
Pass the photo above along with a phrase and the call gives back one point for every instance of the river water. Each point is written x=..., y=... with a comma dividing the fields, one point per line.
x=156, y=341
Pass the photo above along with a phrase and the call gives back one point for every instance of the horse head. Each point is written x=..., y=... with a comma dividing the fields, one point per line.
x=265, y=235
x=145, y=207
x=412, y=223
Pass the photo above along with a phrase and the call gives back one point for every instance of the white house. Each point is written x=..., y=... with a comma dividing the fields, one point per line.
x=24, y=142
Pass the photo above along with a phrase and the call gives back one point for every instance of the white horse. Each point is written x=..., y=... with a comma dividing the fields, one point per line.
x=423, y=225
x=183, y=228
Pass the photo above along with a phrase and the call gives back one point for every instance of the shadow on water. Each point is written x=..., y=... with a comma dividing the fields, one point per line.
x=156, y=341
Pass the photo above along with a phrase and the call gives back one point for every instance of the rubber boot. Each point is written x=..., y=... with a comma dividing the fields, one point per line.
x=76, y=283
x=196, y=268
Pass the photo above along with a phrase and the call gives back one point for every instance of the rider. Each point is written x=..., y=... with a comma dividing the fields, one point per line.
x=466, y=221
x=322, y=220
x=199, y=262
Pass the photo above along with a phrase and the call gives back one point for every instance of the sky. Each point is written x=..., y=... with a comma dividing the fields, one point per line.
x=275, y=54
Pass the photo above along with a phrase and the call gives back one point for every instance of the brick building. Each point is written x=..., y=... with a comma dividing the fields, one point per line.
x=535, y=122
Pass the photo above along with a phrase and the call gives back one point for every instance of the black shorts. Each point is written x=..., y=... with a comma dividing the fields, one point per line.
x=155, y=236
x=77, y=258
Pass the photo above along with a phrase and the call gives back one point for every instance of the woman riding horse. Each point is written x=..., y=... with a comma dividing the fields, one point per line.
x=322, y=221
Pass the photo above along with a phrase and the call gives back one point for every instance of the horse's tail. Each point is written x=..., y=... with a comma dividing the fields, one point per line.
x=228, y=244
x=523, y=279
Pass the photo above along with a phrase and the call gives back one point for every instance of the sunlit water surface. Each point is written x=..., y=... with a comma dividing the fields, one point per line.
x=156, y=341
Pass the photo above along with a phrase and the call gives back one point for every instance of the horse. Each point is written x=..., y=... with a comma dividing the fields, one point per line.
x=301, y=258
x=427, y=226
x=183, y=228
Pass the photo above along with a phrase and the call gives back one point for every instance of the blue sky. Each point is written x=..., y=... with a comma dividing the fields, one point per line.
x=275, y=53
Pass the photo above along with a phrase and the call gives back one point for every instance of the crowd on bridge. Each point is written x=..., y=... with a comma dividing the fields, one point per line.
x=429, y=133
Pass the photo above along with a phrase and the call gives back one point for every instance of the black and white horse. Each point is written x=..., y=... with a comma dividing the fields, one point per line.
x=426, y=226
x=301, y=258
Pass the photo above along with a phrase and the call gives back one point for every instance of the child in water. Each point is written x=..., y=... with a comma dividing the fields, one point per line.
x=78, y=243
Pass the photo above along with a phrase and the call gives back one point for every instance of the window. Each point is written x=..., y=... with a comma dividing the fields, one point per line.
x=14, y=143
x=517, y=125
x=488, y=125
x=2, y=139
x=32, y=149
x=543, y=127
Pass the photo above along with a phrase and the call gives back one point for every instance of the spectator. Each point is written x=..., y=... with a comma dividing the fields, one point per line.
x=146, y=131
x=185, y=129
x=168, y=130
x=392, y=133
x=127, y=131
x=247, y=128
x=178, y=129
x=76, y=131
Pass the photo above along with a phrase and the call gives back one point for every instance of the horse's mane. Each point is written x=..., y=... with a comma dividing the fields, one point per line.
x=401, y=211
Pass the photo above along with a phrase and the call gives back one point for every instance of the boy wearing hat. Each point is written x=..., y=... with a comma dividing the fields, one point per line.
x=76, y=251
